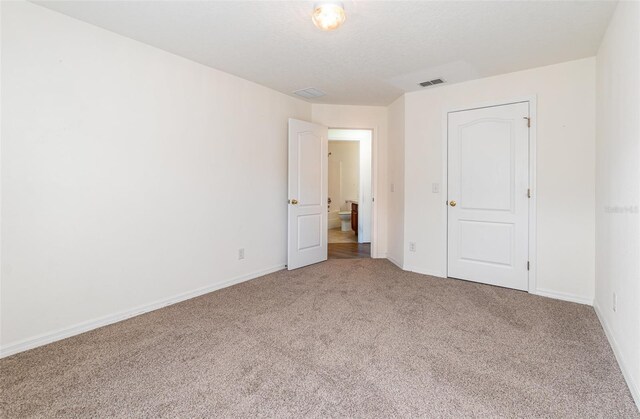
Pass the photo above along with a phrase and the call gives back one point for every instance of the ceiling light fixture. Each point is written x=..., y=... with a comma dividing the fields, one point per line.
x=328, y=15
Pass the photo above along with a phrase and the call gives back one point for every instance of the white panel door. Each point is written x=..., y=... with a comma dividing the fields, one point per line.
x=308, y=184
x=488, y=185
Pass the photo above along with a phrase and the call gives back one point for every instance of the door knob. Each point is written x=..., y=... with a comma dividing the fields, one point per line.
x=294, y=202
x=452, y=203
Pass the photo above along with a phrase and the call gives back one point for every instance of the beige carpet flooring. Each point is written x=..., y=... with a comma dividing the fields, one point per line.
x=345, y=338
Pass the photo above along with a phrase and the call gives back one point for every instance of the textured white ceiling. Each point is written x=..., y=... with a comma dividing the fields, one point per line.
x=383, y=49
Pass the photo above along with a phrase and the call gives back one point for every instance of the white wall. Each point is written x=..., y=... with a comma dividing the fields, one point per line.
x=618, y=189
x=365, y=203
x=565, y=171
x=333, y=165
x=365, y=117
x=344, y=168
x=395, y=185
x=129, y=176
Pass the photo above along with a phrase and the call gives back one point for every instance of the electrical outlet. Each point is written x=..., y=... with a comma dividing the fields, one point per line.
x=614, y=303
x=435, y=188
x=241, y=253
x=393, y=187
x=412, y=246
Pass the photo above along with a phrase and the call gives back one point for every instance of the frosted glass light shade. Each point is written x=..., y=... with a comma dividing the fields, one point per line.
x=328, y=16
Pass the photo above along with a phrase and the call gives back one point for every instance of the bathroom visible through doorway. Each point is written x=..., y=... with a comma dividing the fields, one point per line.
x=349, y=203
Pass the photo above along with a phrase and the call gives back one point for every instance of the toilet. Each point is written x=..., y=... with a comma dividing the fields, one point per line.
x=345, y=219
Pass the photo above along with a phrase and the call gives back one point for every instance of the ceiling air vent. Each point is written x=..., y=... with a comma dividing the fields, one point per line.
x=309, y=93
x=431, y=82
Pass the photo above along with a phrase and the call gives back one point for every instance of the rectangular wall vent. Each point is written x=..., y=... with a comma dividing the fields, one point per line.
x=309, y=93
x=431, y=82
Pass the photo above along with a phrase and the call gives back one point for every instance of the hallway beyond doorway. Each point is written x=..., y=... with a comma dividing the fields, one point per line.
x=349, y=250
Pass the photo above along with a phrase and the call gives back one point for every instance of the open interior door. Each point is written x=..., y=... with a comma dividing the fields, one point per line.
x=308, y=184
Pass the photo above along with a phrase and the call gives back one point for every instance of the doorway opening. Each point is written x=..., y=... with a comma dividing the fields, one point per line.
x=349, y=203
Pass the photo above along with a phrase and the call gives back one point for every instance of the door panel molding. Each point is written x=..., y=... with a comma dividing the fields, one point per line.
x=307, y=191
x=532, y=238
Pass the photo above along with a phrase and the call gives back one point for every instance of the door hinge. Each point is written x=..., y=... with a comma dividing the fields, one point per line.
x=528, y=121
x=528, y=193
x=527, y=265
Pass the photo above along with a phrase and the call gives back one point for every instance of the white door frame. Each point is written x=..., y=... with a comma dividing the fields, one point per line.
x=374, y=186
x=532, y=100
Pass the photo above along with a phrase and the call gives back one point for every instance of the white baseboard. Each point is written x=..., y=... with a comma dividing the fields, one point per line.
x=76, y=329
x=379, y=255
x=563, y=296
x=634, y=388
x=394, y=261
x=437, y=274
x=541, y=292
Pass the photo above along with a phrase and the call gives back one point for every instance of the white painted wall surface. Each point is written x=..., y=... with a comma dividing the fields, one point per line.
x=565, y=171
x=130, y=176
x=395, y=186
x=344, y=178
x=333, y=165
x=618, y=189
x=365, y=117
x=344, y=174
x=365, y=203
